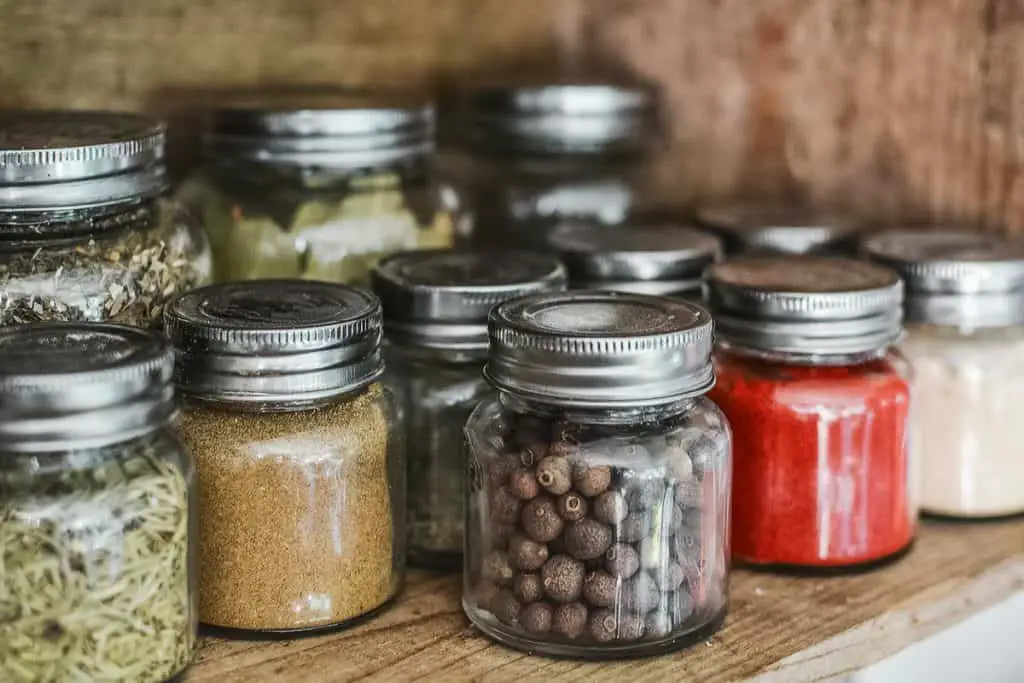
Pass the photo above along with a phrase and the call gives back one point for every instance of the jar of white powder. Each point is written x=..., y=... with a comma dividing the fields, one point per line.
x=965, y=341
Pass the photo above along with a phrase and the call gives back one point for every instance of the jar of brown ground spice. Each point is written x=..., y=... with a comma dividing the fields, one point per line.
x=301, y=472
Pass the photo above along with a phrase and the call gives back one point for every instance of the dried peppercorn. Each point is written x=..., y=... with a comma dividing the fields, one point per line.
x=599, y=589
x=528, y=588
x=622, y=561
x=591, y=480
x=555, y=475
x=562, y=577
x=572, y=507
x=587, y=539
x=569, y=620
x=610, y=508
x=523, y=484
x=536, y=617
x=526, y=554
x=541, y=520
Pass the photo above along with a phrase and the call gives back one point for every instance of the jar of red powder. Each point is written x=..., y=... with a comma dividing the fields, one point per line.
x=819, y=403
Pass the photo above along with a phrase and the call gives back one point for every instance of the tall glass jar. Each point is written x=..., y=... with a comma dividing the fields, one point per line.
x=435, y=322
x=535, y=154
x=600, y=476
x=86, y=231
x=320, y=186
x=807, y=372
x=965, y=342
x=662, y=259
x=780, y=228
x=298, y=453
x=96, y=508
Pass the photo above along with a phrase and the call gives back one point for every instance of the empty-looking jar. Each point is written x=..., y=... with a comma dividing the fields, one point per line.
x=965, y=343
x=435, y=321
x=661, y=259
x=301, y=479
x=86, y=231
x=780, y=228
x=599, y=479
x=96, y=496
x=819, y=402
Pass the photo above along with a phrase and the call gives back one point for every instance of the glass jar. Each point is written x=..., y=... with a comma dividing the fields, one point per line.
x=86, y=233
x=965, y=342
x=536, y=154
x=96, y=508
x=660, y=259
x=805, y=366
x=600, y=476
x=320, y=186
x=436, y=305
x=300, y=462
x=780, y=228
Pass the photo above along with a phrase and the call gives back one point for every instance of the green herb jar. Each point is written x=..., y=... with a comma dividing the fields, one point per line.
x=319, y=186
x=86, y=230
x=96, y=495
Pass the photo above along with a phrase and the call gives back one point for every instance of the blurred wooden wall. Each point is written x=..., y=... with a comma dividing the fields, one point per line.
x=894, y=107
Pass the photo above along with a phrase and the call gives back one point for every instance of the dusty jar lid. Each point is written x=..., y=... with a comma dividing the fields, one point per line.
x=805, y=305
x=583, y=117
x=662, y=259
x=600, y=349
x=325, y=129
x=60, y=160
x=440, y=299
x=778, y=228
x=275, y=340
x=955, y=277
x=65, y=386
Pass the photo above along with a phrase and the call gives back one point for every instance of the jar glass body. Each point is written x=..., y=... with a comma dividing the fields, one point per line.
x=97, y=549
x=301, y=509
x=597, y=534
x=275, y=221
x=436, y=392
x=968, y=385
x=118, y=264
x=823, y=474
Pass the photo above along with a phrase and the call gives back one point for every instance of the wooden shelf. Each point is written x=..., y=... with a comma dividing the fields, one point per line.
x=783, y=628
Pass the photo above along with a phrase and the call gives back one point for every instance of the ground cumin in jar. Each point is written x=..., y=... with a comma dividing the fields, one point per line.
x=299, y=474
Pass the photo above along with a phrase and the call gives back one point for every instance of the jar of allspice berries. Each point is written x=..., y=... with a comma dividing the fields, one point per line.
x=435, y=319
x=598, y=502
x=302, y=479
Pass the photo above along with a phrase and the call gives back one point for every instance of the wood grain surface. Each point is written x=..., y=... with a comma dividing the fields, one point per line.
x=784, y=629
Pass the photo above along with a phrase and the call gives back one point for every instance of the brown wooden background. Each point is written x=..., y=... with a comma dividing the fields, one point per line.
x=894, y=107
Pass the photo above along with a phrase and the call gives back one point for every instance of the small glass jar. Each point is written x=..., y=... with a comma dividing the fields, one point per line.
x=807, y=372
x=780, y=228
x=536, y=154
x=435, y=321
x=965, y=343
x=86, y=231
x=659, y=259
x=320, y=186
x=299, y=459
x=96, y=508
x=600, y=475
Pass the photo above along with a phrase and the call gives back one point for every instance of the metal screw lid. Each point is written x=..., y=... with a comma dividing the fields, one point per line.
x=60, y=160
x=805, y=305
x=578, y=117
x=779, y=228
x=275, y=340
x=615, y=257
x=955, y=277
x=440, y=299
x=340, y=130
x=81, y=385
x=600, y=349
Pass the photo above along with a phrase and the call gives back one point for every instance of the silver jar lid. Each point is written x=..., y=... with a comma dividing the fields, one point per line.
x=62, y=160
x=67, y=386
x=955, y=277
x=805, y=305
x=440, y=299
x=780, y=228
x=600, y=349
x=323, y=129
x=656, y=258
x=275, y=341
x=582, y=117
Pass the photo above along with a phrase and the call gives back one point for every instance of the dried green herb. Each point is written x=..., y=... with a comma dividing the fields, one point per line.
x=94, y=583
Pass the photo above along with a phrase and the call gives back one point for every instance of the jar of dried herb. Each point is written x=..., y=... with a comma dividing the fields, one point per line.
x=320, y=185
x=86, y=231
x=435, y=321
x=96, y=495
x=301, y=470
